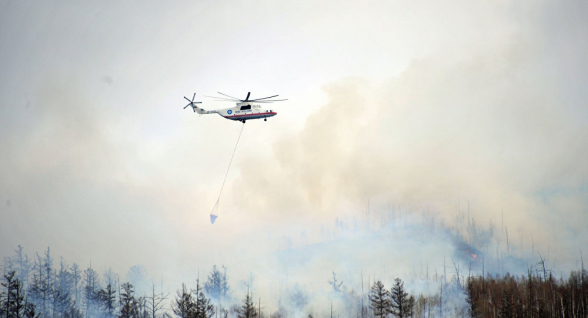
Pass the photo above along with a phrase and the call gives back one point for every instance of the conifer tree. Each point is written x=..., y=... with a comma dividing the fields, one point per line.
x=204, y=309
x=184, y=306
x=60, y=301
x=129, y=307
x=13, y=303
x=91, y=288
x=29, y=311
x=380, y=300
x=109, y=300
x=400, y=302
x=73, y=312
x=410, y=305
x=62, y=290
x=247, y=310
x=217, y=286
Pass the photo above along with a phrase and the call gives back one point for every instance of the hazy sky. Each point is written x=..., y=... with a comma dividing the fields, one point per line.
x=423, y=104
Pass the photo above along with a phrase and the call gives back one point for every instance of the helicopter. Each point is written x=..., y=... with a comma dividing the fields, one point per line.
x=244, y=110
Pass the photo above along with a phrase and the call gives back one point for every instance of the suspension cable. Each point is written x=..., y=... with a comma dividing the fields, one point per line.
x=225, y=179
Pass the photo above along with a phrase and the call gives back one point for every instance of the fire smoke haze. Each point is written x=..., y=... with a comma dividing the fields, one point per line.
x=418, y=107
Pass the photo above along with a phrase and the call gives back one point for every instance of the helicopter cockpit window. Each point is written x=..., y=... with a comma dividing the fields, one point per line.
x=246, y=107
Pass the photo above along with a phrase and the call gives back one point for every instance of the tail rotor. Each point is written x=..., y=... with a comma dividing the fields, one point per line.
x=192, y=102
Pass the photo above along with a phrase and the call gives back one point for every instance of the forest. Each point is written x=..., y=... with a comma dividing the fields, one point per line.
x=38, y=287
x=462, y=270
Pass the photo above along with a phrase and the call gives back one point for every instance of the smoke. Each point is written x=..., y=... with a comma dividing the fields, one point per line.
x=483, y=131
x=479, y=121
x=68, y=177
x=496, y=133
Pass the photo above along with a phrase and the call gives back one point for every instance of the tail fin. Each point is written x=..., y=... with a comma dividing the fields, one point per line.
x=202, y=110
x=197, y=109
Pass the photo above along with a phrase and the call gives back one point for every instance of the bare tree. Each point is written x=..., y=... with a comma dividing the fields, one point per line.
x=24, y=266
x=76, y=276
x=155, y=301
x=91, y=288
x=42, y=285
x=456, y=267
x=61, y=296
x=541, y=266
x=336, y=285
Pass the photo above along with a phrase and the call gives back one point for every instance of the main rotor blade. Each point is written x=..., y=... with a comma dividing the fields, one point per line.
x=263, y=98
x=247, y=98
x=187, y=99
x=272, y=100
x=218, y=99
x=193, y=97
x=269, y=101
x=229, y=96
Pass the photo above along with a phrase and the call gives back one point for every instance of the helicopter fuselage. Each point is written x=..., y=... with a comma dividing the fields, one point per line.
x=243, y=110
x=246, y=111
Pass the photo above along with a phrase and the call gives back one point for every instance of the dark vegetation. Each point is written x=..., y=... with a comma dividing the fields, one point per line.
x=37, y=288
x=528, y=296
x=395, y=302
x=40, y=289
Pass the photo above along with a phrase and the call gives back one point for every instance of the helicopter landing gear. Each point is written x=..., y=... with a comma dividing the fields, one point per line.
x=243, y=121
x=265, y=119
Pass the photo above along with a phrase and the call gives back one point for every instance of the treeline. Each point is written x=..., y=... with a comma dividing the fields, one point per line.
x=528, y=296
x=537, y=294
x=37, y=288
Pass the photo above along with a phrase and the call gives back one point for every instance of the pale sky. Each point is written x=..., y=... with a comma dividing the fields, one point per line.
x=423, y=104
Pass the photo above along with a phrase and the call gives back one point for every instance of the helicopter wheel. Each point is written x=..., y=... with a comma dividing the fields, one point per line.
x=265, y=119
